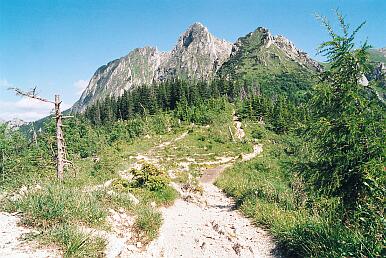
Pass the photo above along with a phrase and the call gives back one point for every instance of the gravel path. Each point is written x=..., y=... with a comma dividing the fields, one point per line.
x=210, y=228
x=11, y=243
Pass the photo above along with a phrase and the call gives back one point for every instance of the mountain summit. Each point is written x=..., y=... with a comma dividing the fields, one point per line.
x=259, y=54
x=197, y=55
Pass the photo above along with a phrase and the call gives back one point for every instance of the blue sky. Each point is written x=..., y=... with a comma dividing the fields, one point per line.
x=58, y=44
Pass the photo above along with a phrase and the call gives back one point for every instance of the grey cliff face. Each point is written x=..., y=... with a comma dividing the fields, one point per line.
x=197, y=55
x=294, y=53
x=135, y=69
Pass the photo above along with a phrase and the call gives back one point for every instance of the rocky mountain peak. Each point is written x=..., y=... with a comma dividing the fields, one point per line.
x=197, y=55
x=196, y=31
x=263, y=38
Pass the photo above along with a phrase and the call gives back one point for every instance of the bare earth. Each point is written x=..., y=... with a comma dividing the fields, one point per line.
x=11, y=244
x=208, y=228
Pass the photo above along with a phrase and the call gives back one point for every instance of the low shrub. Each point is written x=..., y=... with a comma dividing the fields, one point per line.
x=149, y=176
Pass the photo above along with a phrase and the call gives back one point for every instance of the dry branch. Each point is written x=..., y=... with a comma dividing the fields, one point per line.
x=61, y=160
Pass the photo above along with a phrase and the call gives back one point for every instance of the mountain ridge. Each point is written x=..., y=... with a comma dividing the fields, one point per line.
x=197, y=55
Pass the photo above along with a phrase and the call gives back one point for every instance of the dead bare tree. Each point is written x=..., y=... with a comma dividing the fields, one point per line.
x=61, y=160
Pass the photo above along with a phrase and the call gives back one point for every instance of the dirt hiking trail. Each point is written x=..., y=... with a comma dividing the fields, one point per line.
x=198, y=224
x=207, y=224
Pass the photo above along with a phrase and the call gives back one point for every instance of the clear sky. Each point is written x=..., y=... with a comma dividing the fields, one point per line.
x=58, y=44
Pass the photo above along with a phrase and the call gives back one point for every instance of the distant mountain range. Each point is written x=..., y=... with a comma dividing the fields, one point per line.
x=198, y=55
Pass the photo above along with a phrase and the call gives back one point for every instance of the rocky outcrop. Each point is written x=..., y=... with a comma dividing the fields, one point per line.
x=197, y=55
x=294, y=53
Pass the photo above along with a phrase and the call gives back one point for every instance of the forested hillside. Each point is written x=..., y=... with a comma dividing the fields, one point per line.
x=300, y=151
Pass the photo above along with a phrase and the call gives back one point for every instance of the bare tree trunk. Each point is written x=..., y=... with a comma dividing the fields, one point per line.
x=231, y=134
x=61, y=147
x=34, y=135
x=59, y=140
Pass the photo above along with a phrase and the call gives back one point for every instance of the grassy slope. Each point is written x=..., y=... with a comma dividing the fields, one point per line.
x=267, y=191
x=56, y=209
x=268, y=67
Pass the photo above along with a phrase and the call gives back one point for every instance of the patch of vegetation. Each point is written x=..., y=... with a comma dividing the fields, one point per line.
x=149, y=176
x=75, y=243
x=55, y=204
x=148, y=222
x=53, y=209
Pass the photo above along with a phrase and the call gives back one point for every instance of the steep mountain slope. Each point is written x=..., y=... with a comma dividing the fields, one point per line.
x=136, y=68
x=197, y=55
x=266, y=59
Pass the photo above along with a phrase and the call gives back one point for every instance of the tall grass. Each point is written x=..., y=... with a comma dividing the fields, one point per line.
x=75, y=243
x=57, y=203
x=269, y=193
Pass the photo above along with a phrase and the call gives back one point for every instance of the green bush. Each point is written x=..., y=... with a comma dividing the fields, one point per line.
x=150, y=177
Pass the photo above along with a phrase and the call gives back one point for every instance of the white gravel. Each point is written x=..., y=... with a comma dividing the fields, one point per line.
x=12, y=245
x=210, y=228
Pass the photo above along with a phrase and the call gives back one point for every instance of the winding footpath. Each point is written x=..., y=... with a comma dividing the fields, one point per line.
x=208, y=225
x=197, y=225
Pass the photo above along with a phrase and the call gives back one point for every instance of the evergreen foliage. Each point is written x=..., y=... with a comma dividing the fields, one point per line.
x=347, y=125
x=189, y=99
